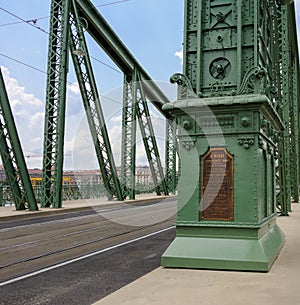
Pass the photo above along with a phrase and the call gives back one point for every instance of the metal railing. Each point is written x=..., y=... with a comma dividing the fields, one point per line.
x=70, y=192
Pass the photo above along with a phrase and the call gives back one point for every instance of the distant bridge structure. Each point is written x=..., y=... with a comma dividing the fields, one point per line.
x=69, y=23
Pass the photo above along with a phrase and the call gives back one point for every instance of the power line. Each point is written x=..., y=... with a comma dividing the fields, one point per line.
x=32, y=22
x=105, y=64
x=23, y=20
x=44, y=72
x=23, y=63
x=111, y=3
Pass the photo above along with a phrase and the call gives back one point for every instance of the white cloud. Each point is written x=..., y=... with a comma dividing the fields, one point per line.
x=179, y=54
x=297, y=10
x=74, y=88
x=28, y=112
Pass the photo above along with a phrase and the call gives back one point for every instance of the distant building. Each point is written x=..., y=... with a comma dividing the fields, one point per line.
x=2, y=173
x=142, y=174
x=92, y=177
x=82, y=177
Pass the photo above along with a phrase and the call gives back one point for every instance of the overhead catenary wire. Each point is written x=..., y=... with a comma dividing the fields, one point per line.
x=23, y=20
x=44, y=72
x=33, y=24
x=34, y=20
x=23, y=63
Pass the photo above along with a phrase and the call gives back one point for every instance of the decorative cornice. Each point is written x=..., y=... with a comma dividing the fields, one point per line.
x=251, y=79
x=185, y=86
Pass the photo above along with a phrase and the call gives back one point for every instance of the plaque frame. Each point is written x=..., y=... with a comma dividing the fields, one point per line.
x=221, y=207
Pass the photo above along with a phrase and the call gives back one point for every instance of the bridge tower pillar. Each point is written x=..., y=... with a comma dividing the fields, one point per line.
x=228, y=130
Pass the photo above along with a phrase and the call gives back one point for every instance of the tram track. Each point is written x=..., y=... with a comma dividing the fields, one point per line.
x=68, y=248
x=51, y=238
x=93, y=214
x=30, y=247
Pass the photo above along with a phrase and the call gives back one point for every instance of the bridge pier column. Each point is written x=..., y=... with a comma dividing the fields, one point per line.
x=226, y=203
x=227, y=111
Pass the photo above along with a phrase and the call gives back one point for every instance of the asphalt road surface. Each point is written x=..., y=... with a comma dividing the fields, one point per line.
x=78, y=258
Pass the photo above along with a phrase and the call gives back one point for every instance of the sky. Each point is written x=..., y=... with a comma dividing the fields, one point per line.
x=151, y=29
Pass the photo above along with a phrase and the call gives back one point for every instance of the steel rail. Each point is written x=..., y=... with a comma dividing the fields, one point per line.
x=55, y=237
x=35, y=257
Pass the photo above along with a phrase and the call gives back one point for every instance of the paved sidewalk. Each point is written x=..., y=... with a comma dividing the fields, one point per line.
x=9, y=212
x=193, y=287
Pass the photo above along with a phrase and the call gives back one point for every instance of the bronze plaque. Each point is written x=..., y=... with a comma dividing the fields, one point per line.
x=217, y=185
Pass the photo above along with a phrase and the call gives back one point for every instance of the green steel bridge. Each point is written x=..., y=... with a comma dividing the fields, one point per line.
x=261, y=32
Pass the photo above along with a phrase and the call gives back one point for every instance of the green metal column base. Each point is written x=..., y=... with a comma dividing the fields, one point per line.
x=226, y=253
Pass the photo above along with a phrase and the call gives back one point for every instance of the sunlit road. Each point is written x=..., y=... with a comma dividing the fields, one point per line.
x=116, y=244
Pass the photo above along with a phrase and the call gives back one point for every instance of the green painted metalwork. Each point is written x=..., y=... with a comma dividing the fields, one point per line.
x=135, y=108
x=12, y=156
x=91, y=101
x=170, y=157
x=222, y=58
x=54, y=128
x=289, y=100
x=231, y=103
x=294, y=117
x=111, y=44
x=285, y=114
x=128, y=156
x=108, y=40
x=86, y=191
x=149, y=140
x=295, y=102
x=56, y=94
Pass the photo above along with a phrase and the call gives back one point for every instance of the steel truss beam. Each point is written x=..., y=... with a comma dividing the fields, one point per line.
x=295, y=103
x=107, y=39
x=284, y=145
x=148, y=136
x=289, y=109
x=170, y=158
x=294, y=117
x=135, y=108
x=112, y=45
x=56, y=96
x=54, y=128
x=128, y=155
x=12, y=156
x=91, y=101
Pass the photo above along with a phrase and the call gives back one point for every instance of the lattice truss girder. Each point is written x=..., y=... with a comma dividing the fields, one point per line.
x=294, y=127
x=65, y=26
x=55, y=104
x=91, y=101
x=288, y=84
x=171, y=150
x=135, y=108
x=283, y=146
x=149, y=140
x=128, y=154
x=12, y=156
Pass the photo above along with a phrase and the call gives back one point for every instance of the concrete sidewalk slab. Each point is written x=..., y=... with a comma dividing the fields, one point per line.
x=194, y=287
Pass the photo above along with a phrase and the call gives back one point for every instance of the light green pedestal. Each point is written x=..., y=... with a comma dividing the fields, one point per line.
x=230, y=225
x=227, y=252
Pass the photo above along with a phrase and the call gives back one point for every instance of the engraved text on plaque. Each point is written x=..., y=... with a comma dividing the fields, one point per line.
x=217, y=185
